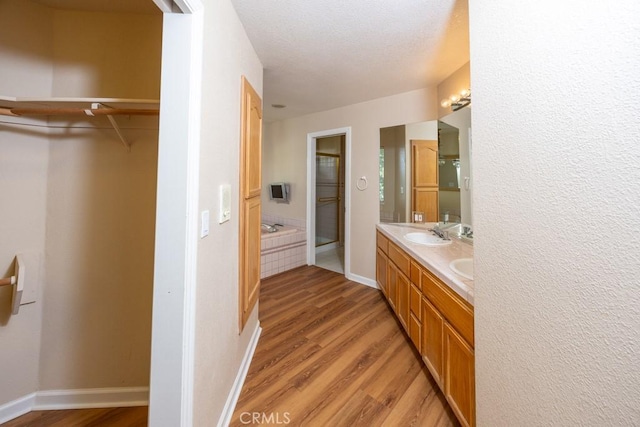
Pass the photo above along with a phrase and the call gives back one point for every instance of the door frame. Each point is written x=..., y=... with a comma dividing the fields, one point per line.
x=176, y=244
x=311, y=194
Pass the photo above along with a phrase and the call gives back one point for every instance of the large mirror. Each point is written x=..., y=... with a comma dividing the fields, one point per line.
x=439, y=189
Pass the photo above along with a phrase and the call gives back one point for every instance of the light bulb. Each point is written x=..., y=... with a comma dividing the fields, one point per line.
x=464, y=93
x=445, y=103
x=455, y=98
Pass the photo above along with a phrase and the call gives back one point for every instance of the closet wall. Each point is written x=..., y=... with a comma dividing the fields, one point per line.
x=85, y=207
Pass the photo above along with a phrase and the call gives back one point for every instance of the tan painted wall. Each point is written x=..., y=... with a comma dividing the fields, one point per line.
x=87, y=206
x=456, y=82
x=25, y=48
x=219, y=349
x=284, y=158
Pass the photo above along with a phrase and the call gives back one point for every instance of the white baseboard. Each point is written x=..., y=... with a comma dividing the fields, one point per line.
x=15, y=408
x=362, y=280
x=92, y=398
x=232, y=399
x=75, y=399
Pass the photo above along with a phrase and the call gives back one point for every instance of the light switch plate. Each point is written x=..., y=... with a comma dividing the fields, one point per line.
x=204, y=224
x=225, y=204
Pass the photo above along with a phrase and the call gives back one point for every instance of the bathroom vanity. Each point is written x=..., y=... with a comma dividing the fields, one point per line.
x=434, y=304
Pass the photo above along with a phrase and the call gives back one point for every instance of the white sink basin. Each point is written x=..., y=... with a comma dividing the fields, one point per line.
x=463, y=267
x=426, y=239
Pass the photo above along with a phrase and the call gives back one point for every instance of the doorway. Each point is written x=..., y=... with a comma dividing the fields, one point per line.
x=328, y=196
x=329, y=231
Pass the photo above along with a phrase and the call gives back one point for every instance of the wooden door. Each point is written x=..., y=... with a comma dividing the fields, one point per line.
x=250, y=188
x=432, y=340
x=459, y=381
x=424, y=178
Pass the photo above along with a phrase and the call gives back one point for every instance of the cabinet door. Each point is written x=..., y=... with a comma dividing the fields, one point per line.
x=459, y=382
x=415, y=332
x=381, y=271
x=392, y=279
x=402, y=307
x=432, y=340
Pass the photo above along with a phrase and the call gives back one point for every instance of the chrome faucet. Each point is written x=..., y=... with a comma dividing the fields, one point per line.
x=440, y=233
x=269, y=228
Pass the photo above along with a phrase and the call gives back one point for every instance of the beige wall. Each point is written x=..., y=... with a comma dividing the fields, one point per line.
x=25, y=50
x=285, y=154
x=219, y=349
x=557, y=307
x=457, y=81
x=86, y=207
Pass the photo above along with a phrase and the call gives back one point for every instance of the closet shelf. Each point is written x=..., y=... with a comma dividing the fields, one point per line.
x=88, y=107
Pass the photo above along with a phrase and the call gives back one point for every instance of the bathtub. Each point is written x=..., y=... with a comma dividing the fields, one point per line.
x=282, y=231
x=282, y=250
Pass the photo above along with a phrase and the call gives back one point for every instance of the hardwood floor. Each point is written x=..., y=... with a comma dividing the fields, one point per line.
x=108, y=417
x=333, y=354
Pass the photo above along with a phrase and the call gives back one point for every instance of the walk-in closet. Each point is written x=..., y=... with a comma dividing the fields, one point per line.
x=79, y=101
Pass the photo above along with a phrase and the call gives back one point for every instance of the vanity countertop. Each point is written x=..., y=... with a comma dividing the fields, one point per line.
x=436, y=259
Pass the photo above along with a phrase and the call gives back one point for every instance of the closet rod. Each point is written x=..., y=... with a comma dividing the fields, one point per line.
x=8, y=281
x=79, y=111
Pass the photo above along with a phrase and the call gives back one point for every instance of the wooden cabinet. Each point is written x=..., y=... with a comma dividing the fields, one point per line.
x=459, y=383
x=402, y=307
x=432, y=340
x=381, y=271
x=438, y=321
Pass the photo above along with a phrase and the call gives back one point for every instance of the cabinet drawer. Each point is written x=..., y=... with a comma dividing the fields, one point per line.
x=382, y=242
x=415, y=301
x=399, y=258
x=457, y=312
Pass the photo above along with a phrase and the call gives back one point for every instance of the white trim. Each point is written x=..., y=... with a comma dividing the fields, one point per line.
x=173, y=324
x=311, y=194
x=234, y=394
x=363, y=280
x=17, y=407
x=115, y=397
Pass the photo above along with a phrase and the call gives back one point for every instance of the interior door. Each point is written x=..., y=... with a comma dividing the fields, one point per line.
x=250, y=188
x=424, y=178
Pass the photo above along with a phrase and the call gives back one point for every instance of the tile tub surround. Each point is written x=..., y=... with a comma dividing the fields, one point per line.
x=437, y=258
x=283, y=250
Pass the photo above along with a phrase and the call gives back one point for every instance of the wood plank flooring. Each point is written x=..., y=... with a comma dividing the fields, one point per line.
x=333, y=354
x=107, y=417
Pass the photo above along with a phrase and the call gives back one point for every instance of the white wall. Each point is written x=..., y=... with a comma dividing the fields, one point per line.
x=284, y=158
x=219, y=348
x=556, y=201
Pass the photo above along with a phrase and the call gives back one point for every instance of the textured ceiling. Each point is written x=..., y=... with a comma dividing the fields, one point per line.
x=325, y=54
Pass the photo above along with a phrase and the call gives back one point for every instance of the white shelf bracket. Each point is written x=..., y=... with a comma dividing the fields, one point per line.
x=114, y=124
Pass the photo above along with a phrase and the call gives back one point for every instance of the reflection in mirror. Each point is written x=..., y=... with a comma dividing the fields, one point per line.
x=397, y=180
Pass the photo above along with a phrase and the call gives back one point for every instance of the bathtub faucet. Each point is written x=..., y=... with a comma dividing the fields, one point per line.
x=269, y=228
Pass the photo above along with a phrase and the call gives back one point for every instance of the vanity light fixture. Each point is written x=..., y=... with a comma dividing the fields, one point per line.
x=458, y=100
